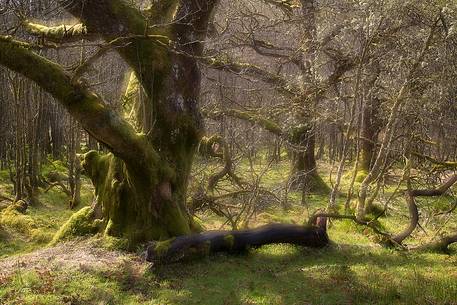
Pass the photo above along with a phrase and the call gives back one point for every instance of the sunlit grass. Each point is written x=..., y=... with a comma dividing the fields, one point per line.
x=354, y=269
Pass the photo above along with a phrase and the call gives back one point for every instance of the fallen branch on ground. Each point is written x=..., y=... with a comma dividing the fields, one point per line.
x=203, y=244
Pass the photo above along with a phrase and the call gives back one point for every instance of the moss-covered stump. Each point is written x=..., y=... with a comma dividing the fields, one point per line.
x=203, y=244
x=310, y=183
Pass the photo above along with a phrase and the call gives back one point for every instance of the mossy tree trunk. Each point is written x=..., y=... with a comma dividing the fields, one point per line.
x=141, y=185
x=304, y=175
x=391, y=127
x=369, y=133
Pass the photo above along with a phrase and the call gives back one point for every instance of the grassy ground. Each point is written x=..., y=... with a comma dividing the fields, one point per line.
x=353, y=270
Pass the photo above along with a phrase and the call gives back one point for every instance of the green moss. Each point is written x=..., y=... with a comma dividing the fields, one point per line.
x=229, y=240
x=41, y=237
x=113, y=243
x=13, y=219
x=175, y=222
x=80, y=223
x=161, y=247
x=361, y=175
x=57, y=33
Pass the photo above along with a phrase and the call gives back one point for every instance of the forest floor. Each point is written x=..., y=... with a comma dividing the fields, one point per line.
x=354, y=269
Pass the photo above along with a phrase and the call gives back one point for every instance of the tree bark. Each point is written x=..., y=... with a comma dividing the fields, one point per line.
x=141, y=185
x=203, y=244
x=304, y=175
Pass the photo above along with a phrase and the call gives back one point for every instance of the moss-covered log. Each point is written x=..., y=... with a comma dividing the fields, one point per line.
x=440, y=245
x=198, y=245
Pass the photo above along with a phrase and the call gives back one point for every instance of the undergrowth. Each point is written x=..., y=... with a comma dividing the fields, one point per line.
x=354, y=269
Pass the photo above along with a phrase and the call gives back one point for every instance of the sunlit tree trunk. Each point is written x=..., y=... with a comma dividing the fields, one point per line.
x=141, y=185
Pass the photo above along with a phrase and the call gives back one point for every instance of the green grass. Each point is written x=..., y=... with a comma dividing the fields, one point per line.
x=353, y=270
x=278, y=274
x=22, y=233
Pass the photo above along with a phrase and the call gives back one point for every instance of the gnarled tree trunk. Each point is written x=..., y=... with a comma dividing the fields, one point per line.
x=304, y=175
x=141, y=185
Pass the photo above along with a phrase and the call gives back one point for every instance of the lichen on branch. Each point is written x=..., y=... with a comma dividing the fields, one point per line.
x=59, y=34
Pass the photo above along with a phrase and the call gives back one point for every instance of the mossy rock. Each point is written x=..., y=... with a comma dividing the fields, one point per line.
x=21, y=223
x=80, y=223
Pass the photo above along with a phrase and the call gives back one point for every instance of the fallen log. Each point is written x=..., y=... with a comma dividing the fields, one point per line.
x=440, y=245
x=206, y=243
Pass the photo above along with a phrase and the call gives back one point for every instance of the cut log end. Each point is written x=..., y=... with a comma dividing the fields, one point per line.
x=204, y=244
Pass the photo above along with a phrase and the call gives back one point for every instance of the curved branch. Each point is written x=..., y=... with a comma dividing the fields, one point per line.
x=281, y=84
x=438, y=191
x=316, y=217
x=228, y=163
x=88, y=108
x=414, y=219
x=440, y=245
x=414, y=214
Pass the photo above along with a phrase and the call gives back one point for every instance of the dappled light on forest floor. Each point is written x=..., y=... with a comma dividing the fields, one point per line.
x=218, y=152
x=278, y=274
